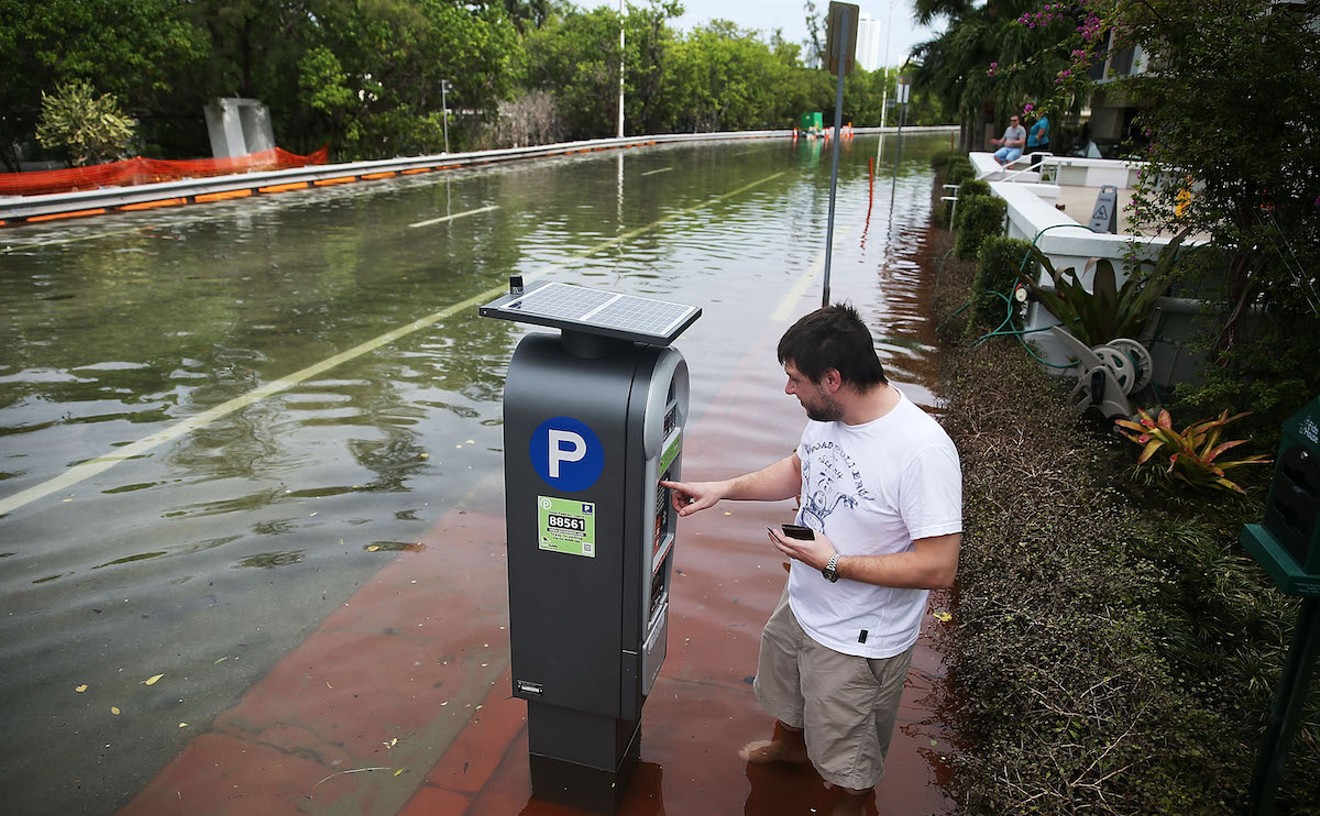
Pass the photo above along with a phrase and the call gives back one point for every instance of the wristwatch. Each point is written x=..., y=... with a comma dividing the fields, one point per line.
x=831, y=571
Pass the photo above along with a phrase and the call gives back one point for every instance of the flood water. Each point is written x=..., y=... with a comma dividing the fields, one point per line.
x=218, y=423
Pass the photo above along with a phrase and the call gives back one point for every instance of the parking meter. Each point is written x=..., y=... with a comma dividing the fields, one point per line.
x=1287, y=545
x=593, y=421
x=1287, y=541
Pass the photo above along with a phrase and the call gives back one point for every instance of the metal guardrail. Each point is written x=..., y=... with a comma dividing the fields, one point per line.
x=29, y=209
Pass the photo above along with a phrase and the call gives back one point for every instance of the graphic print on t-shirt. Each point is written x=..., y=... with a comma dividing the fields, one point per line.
x=832, y=478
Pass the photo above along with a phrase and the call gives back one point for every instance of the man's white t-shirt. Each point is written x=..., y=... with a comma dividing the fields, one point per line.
x=872, y=489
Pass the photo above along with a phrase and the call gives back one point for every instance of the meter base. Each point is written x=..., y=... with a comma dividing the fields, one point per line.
x=581, y=760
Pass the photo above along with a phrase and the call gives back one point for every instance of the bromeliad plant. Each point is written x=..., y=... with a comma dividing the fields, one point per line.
x=1108, y=311
x=1194, y=453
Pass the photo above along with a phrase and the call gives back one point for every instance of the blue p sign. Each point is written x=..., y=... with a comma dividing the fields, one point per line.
x=567, y=454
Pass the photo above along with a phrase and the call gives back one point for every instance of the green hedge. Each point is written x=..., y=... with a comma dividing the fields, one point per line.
x=997, y=266
x=967, y=189
x=951, y=168
x=979, y=217
x=957, y=169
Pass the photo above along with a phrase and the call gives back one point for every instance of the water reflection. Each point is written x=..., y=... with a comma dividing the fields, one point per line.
x=123, y=328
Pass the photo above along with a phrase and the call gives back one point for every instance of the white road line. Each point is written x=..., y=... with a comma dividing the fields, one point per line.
x=10, y=248
x=86, y=470
x=455, y=216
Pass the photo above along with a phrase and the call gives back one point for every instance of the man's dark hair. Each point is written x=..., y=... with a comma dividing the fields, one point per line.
x=833, y=337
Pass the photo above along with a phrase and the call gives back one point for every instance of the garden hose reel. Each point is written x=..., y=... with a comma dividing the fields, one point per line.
x=1130, y=362
x=1107, y=374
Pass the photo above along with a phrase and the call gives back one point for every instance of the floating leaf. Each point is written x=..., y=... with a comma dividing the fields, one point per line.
x=80, y=689
x=221, y=660
x=151, y=681
x=373, y=548
x=401, y=770
x=114, y=710
x=183, y=725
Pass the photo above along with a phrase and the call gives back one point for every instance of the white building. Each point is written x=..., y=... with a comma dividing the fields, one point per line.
x=870, y=43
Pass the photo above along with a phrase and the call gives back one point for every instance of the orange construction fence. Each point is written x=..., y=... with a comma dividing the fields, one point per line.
x=146, y=171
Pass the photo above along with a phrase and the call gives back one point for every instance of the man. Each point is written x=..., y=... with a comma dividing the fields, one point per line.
x=880, y=486
x=1015, y=138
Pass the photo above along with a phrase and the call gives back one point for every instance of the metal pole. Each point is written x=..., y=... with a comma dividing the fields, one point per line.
x=834, y=169
x=620, y=134
x=1286, y=711
x=884, y=96
x=444, y=104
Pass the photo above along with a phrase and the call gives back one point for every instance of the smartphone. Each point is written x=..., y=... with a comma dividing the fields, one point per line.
x=798, y=531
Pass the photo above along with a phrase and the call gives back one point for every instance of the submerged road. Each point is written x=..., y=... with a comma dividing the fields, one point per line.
x=257, y=453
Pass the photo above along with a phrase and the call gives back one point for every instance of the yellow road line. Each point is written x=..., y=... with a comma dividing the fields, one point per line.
x=790, y=301
x=86, y=470
x=455, y=216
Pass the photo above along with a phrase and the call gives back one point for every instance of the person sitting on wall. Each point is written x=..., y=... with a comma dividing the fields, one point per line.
x=1015, y=138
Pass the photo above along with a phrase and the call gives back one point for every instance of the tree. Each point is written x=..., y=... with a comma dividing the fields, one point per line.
x=362, y=74
x=728, y=79
x=1231, y=103
x=994, y=58
x=132, y=49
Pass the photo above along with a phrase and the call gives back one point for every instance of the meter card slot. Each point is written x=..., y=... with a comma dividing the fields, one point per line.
x=663, y=539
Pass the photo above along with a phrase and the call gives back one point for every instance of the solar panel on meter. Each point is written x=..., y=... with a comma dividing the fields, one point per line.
x=595, y=311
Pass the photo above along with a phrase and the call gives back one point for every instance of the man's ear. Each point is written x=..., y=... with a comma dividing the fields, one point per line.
x=832, y=379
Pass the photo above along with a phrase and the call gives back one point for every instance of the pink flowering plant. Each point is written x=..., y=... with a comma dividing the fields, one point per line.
x=1053, y=50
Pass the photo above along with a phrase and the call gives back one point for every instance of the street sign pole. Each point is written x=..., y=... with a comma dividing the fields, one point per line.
x=842, y=51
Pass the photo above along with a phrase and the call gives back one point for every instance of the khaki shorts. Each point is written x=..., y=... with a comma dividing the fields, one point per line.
x=847, y=706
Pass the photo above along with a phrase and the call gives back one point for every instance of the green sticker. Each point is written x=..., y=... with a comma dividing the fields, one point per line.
x=567, y=526
x=671, y=452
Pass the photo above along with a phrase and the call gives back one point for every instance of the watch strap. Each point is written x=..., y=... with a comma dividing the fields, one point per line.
x=831, y=570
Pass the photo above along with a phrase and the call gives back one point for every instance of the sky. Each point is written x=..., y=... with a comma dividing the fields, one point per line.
x=790, y=16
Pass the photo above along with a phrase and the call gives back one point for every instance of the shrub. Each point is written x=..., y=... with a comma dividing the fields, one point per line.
x=951, y=168
x=1194, y=454
x=979, y=218
x=999, y=261
x=968, y=189
x=940, y=158
x=957, y=169
x=91, y=128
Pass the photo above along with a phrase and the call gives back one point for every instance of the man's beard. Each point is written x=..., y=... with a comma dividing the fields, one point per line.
x=828, y=410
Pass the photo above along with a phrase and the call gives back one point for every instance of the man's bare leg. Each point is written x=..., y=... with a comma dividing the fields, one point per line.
x=788, y=745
